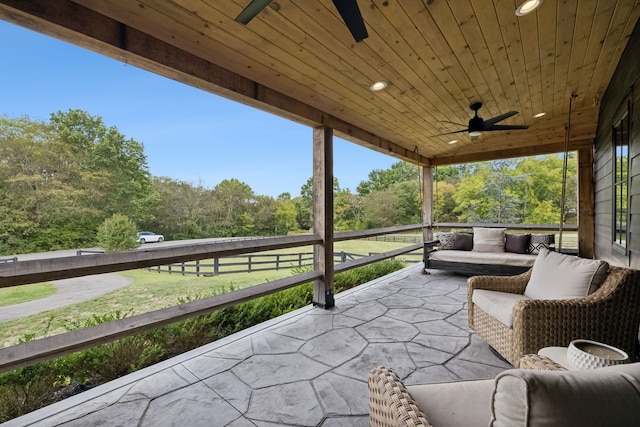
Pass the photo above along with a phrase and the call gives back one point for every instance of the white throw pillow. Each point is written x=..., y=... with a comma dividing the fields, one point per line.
x=561, y=276
x=598, y=397
x=488, y=239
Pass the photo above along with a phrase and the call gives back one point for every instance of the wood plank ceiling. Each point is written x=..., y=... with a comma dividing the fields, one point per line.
x=298, y=59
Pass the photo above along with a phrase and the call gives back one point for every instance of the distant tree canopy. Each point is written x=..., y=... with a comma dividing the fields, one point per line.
x=61, y=180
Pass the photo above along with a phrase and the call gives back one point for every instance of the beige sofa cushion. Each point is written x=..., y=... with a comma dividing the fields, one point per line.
x=463, y=403
x=600, y=397
x=560, y=276
x=488, y=239
x=490, y=258
x=498, y=305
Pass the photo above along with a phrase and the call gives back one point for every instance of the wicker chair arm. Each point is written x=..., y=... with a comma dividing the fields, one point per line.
x=513, y=284
x=609, y=315
x=539, y=363
x=390, y=404
x=545, y=310
x=542, y=315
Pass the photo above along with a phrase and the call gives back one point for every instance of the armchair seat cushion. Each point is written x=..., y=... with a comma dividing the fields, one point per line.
x=464, y=403
x=498, y=305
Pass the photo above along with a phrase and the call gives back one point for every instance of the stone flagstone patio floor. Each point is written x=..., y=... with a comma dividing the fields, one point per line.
x=306, y=368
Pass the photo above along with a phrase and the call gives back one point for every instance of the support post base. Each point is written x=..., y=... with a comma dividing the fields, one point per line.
x=329, y=300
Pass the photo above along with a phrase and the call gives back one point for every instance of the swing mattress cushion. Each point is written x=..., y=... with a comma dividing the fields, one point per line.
x=485, y=258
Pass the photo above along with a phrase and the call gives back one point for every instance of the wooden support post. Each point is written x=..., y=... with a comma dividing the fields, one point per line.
x=586, y=203
x=427, y=210
x=427, y=203
x=323, y=215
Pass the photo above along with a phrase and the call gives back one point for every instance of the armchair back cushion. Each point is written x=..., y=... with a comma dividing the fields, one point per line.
x=560, y=276
x=599, y=397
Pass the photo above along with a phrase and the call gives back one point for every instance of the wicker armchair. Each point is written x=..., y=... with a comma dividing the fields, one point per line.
x=611, y=315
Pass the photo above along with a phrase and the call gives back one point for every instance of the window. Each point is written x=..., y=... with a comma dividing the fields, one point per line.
x=621, y=131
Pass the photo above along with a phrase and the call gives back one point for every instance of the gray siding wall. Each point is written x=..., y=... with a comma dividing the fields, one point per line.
x=624, y=82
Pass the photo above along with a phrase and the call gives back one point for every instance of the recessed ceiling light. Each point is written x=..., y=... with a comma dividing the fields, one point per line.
x=378, y=86
x=537, y=116
x=528, y=6
x=453, y=141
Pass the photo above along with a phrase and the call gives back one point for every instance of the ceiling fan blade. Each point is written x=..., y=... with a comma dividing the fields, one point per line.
x=499, y=118
x=252, y=9
x=451, y=133
x=352, y=17
x=505, y=127
x=453, y=123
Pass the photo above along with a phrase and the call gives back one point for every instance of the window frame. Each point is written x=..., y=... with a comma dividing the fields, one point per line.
x=620, y=143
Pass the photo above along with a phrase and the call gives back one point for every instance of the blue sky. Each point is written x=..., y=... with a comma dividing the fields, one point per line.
x=188, y=134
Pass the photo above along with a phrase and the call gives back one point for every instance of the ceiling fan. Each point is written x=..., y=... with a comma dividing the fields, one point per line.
x=477, y=125
x=348, y=9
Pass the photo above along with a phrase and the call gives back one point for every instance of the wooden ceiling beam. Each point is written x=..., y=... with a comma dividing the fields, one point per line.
x=557, y=147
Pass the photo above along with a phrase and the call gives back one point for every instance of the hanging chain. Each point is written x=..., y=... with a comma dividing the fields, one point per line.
x=564, y=172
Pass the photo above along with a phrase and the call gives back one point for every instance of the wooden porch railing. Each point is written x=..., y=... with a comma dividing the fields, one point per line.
x=34, y=271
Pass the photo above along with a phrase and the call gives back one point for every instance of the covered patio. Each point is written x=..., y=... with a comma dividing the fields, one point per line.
x=306, y=368
x=576, y=62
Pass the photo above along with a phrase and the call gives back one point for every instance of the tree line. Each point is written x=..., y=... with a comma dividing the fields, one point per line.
x=61, y=179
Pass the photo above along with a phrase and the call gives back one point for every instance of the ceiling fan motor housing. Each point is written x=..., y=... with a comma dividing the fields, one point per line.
x=476, y=124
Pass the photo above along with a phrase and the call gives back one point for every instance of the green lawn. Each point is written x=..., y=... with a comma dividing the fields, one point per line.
x=151, y=290
x=24, y=293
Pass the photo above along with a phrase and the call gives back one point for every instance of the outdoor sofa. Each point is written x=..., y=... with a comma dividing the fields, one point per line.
x=485, y=251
